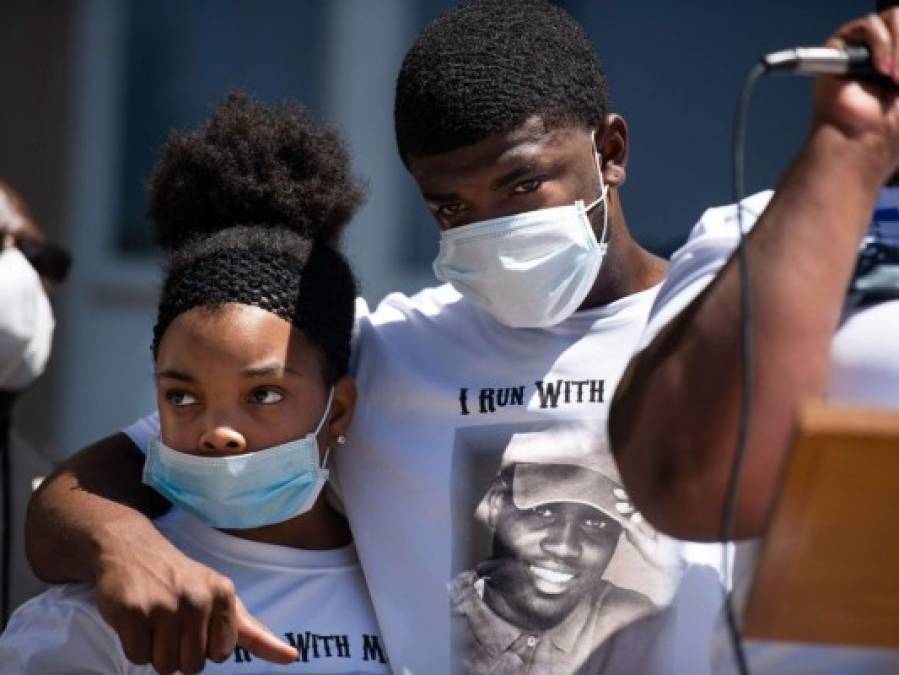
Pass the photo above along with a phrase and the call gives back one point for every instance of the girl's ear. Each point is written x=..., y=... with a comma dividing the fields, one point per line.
x=342, y=407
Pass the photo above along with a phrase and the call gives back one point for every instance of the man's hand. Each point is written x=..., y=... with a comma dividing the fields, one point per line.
x=174, y=613
x=90, y=521
x=866, y=110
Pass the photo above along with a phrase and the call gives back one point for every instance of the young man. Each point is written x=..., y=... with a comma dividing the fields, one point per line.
x=676, y=413
x=501, y=117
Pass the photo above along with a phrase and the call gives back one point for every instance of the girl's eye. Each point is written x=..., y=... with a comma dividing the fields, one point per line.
x=179, y=399
x=266, y=396
x=529, y=185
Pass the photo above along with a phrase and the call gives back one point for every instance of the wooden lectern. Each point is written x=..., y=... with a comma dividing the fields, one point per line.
x=828, y=569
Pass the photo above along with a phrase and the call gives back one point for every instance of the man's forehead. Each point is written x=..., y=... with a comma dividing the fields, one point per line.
x=535, y=484
x=534, y=134
x=524, y=143
x=580, y=510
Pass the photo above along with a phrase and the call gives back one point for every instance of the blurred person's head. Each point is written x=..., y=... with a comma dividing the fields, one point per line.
x=18, y=228
x=16, y=221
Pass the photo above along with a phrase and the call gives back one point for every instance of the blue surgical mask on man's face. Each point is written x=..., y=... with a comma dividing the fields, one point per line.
x=239, y=492
x=531, y=269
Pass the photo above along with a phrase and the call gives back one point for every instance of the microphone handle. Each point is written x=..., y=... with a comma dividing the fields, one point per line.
x=860, y=66
x=852, y=61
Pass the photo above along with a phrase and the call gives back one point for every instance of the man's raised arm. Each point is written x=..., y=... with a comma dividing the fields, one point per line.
x=676, y=412
x=90, y=521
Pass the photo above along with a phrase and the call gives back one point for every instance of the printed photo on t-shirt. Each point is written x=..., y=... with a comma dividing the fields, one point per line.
x=553, y=569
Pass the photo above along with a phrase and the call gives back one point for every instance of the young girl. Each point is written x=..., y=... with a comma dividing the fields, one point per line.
x=251, y=348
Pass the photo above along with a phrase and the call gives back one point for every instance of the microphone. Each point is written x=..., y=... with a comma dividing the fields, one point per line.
x=852, y=61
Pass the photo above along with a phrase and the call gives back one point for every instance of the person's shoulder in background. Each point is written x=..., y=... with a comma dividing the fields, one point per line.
x=694, y=265
x=399, y=306
x=60, y=631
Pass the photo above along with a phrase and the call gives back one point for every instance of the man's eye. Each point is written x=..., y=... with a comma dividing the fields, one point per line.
x=179, y=399
x=544, y=511
x=266, y=396
x=600, y=527
x=449, y=210
x=594, y=524
x=529, y=185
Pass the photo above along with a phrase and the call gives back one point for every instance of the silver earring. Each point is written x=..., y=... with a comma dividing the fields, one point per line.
x=341, y=439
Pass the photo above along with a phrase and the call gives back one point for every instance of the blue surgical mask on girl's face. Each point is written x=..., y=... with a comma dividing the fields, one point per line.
x=241, y=491
x=531, y=269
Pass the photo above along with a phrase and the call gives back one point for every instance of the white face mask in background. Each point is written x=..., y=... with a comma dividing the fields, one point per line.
x=531, y=269
x=26, y=322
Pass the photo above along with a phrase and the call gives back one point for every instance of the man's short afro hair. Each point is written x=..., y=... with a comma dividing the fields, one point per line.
x=487, y=66
x=254, y=164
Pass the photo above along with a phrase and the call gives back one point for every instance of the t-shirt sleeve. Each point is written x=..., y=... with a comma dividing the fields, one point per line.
x=361, y=314
x=60, y=631
x=143, y=431
x=693, y=267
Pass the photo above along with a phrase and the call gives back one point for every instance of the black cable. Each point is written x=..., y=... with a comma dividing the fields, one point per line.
x=733, y=487
x=6, y=399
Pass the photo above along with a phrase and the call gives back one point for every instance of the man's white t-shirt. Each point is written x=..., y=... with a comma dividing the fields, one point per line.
x=315, y=600
x=864, y=370
x=449, y=399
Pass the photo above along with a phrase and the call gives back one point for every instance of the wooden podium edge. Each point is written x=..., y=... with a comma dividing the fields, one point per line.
x=815, y=419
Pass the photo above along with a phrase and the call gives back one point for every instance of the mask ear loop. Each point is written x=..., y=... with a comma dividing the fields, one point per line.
x=324, y=418
x=603, y=193
x=321, y=425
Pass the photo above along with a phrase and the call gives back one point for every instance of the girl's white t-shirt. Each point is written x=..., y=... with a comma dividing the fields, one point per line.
x=315, y=600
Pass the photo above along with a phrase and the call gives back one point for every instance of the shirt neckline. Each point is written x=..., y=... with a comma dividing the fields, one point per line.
x=184, y=529
x=620, y=311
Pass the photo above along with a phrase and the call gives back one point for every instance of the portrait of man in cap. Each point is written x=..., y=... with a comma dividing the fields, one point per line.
x=541, y=601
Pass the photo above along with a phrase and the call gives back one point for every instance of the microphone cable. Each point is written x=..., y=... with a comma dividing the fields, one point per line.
x=850, y=61
x=6, y=400
x=728, y=515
